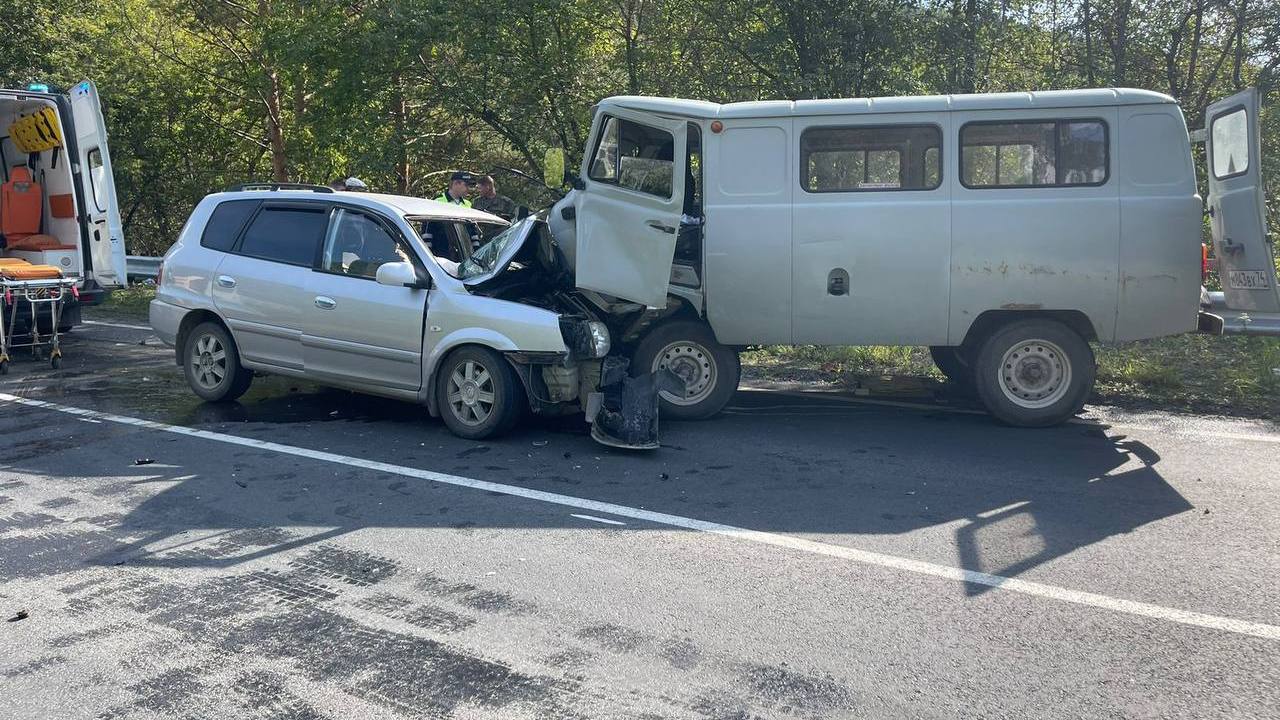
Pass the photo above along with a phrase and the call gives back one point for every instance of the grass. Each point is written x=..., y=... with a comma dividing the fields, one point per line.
x=1186, y=373
x=132, y=301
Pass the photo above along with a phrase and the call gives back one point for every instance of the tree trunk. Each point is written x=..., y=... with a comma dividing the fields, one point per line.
x=275, y=133
x=1088, y=42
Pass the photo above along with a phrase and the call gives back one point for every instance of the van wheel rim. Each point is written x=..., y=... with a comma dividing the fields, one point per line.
x=693, y=364
x=471, y=395
x=209, y=362
x=1034, y=374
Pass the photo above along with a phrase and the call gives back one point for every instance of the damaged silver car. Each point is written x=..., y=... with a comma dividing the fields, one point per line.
x=404, y=298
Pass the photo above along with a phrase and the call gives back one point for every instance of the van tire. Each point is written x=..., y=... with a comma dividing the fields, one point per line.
x=1034, y=373
x=691, y=350
x=208, y=349
x=478, y=372
x=953, y=363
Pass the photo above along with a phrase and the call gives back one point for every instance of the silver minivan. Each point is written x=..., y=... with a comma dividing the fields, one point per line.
x=391, y=296
x=1004, y=231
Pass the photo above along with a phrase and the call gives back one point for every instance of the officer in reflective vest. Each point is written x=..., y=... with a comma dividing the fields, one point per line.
x=457, y=191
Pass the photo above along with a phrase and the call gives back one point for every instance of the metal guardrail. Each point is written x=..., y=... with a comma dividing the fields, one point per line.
x=142, y=267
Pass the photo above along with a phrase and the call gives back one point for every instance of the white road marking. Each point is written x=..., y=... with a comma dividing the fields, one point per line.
x=118, y=325
x=827, y=395
x=593, y=518
x=945, y=572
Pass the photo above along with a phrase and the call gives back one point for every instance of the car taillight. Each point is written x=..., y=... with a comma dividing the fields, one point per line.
x=1204, y=263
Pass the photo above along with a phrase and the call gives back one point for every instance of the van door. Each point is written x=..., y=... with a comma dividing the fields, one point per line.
x=628, y=212
x=1246, y=264
x=106, y=235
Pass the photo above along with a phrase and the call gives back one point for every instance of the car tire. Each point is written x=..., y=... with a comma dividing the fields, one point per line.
x=211, y=363
x=478, y=393
x=710, y=370
x=1034, y=373
x=953, y=363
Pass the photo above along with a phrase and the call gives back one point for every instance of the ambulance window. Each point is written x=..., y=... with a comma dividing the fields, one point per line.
x=1033, y=154
x=1230, y=148
x=97, y=179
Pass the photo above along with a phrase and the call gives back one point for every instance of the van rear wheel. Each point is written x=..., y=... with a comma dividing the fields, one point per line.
x=689, y=349
x=1034, y=373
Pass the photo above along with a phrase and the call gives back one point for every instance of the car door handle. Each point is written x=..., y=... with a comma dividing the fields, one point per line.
x=226, y=281
x=326, y=303
x=661, y=228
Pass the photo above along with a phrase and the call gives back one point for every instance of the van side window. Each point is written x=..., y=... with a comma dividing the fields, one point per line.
x=224, y=224
x=884, y=157
x=285, y=234
x=1033, y=154
x=1230, y=144
x=97, y=179
x=634, y=156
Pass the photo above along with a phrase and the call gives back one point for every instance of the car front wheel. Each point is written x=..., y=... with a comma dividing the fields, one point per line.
x=689, y=349
x=478, y=393
x=1034, y=373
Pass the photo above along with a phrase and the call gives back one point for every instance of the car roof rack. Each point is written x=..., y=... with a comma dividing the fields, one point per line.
x=278, y=186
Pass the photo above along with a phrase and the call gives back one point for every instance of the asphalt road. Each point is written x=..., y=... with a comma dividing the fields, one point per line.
x=310, y=553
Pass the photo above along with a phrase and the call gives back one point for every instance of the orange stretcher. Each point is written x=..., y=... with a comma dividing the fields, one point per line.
x=38, y=286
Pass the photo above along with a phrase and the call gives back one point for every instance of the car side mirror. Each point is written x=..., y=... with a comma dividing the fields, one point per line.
x=400, y=274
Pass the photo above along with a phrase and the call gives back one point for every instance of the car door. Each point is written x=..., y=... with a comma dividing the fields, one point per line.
x=358, y=331
x=628, y=210
x=1246, y=265
x=106, y=234
x=262, y=288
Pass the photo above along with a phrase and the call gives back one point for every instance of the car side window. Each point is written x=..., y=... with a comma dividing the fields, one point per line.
x=634, y=156
x=357, y=245
x=224, y=224
x=288, y=235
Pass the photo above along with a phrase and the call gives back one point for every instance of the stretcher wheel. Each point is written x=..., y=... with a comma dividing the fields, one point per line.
x=56, y=362
x=4, y=367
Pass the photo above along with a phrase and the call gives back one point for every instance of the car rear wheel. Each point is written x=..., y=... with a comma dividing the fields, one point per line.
x=211, y=363
x=689, y=349
x=1034, y=373
x=478, y=393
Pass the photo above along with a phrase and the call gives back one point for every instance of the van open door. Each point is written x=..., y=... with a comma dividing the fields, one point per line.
x=1246, y=263
x=629, y=208
x=106, y=235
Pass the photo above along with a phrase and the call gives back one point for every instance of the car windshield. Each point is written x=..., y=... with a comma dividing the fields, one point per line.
x=486, y=257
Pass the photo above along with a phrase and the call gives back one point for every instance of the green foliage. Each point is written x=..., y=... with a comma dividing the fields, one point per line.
x=205, y=93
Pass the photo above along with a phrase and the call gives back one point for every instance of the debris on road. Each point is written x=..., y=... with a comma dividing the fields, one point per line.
x=143, y=461
x=21, y=615
x=540, y=443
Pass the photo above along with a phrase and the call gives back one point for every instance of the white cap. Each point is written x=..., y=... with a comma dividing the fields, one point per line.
x=355, y=183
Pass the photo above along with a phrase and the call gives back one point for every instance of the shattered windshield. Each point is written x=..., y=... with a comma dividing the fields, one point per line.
x=487, y=256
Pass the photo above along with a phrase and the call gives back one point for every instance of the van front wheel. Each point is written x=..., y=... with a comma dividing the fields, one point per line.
x=689, y=349
x=1034, y=373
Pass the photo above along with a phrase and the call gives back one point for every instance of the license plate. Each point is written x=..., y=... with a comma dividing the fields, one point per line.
x=1248, y=279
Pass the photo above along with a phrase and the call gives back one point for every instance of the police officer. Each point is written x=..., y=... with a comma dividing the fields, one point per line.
x=491, y=202
x=456, y=193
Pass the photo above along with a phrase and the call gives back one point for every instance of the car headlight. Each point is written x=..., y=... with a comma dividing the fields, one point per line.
x=599, y=333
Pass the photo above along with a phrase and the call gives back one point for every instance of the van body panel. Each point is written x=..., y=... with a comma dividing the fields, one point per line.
x=888, y=251
x=1035, y=248
x=1159, y=224
x=106, y=233
x=750, y=179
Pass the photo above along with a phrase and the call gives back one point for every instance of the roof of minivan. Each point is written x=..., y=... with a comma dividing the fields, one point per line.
x=402, y=204
x=905, y=104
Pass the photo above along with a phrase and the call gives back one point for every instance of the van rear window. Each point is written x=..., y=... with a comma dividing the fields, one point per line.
x=881, y=157
x=224, y=224
x=1033, y=153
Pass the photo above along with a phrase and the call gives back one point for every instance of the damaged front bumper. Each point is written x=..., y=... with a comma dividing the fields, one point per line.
x=622, y=410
